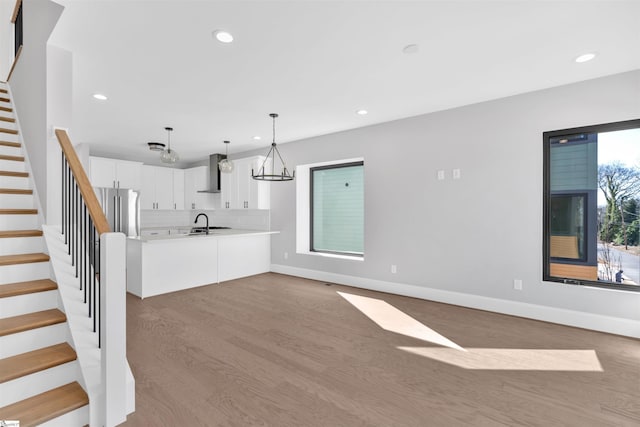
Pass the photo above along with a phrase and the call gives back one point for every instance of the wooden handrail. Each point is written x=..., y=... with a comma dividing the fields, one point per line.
x=90, y=200
x=15, y=61
x=16, y=8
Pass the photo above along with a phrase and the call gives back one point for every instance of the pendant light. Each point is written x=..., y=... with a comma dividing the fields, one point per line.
x=283, y=174
x=169, y=156
x=225, y=165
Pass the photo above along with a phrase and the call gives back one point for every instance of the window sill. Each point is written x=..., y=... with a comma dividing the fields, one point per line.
x=338, y=256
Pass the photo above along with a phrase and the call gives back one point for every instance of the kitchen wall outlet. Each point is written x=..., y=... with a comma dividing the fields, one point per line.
x=440, y=175
x=394, y=269
x=456, y=174
x=286, y=255
x=517, y=284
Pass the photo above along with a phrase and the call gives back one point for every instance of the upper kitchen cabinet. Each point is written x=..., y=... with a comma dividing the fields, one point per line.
x=196, y=180
x=115, y=173
x=240, y=191
x=162, y=188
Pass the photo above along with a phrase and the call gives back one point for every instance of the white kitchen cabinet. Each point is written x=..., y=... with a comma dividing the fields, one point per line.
x=242, y=256
x=195, y=180
x=240, y=190
x=178, y=189
x=115, y=173
x=157, y=190
x=158, y=264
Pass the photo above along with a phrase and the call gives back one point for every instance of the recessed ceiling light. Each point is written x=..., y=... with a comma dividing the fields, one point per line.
x=223, y=36
x=257, y=138
x=410, y=48
x=100, y=96
x=362, y=112
x=586, y=57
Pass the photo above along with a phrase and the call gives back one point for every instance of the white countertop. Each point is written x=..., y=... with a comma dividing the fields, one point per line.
x=212, y=234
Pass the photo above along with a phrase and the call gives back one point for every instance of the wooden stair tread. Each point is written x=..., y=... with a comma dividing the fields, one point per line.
x=18, y=211
x=46, y=406
x=26, y=322
x=4, y=99
x=35, y=361
x=4, y=91
x=16, y=174
x=10, y=144
x=20, y=233
x=11, y=131
x=29, y=287
x=15, y=191
x=7, y=109
x=23, y=259
x=12, y=158
x=7, y=119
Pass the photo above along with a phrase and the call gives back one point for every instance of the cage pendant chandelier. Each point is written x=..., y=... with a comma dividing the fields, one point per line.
x=269, y=172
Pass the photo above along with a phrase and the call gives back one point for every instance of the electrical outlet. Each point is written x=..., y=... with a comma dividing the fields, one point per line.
x=394, y=269
x=440, y=175
x=456, y=174
x=286, y=255
x=517, y=284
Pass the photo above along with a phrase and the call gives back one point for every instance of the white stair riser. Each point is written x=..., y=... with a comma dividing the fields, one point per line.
x=7, y=125
x=17, y=201
x=79, y=417
x=9, y=151
x=14, y=181
x=21, y=245
x=18, y=222
x=28, y=303
x=11, y=137
x=39, y=382
x=12, y=165
x=24, y=272
x=22, y=342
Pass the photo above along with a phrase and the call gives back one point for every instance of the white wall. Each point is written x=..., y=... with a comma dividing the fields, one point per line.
x=6, y=38
x=59, y=98
x=466, y=239
x=29, y=86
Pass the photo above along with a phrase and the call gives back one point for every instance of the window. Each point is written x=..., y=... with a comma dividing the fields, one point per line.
x=337, y=209
x=591, y=205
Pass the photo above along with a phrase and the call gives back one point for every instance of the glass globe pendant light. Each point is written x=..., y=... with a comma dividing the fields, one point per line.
x=169, y=156
x=225, y=165
x=282, y=174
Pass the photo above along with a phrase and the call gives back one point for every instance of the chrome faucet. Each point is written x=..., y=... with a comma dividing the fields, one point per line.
x=206, y=218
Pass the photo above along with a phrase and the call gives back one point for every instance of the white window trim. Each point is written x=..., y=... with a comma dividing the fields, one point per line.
x=303, y=203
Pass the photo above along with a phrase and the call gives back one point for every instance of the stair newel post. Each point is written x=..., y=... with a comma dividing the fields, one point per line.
x=113, y=339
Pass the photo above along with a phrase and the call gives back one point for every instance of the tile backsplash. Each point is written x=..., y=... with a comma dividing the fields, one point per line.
x=246, y=219
x=161, y=218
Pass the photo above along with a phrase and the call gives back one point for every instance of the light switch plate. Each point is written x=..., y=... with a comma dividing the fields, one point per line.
x=440, y=175
x=456, y=174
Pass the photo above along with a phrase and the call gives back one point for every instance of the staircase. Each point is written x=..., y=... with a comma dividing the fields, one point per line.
x=39, y=372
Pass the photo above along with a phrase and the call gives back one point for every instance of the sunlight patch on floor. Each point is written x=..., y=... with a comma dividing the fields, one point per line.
x=513, y=359
x=391, y=319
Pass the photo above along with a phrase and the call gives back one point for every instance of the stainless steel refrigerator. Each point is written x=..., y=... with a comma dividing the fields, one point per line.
x=122, y=209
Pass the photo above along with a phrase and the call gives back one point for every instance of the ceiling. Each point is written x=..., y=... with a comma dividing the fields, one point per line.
x=316, y=63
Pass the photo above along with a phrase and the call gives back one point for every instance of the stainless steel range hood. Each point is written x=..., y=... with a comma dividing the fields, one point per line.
x=214, y=173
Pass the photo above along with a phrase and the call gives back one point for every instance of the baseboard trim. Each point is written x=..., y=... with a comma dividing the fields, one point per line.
x=596, y=322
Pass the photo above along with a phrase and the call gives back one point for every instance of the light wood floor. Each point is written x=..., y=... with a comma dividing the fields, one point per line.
x=275, y=350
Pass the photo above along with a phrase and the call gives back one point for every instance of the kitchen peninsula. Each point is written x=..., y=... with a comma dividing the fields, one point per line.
x=161, y=264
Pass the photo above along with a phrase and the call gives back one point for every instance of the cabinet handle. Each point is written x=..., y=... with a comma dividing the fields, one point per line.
x=114, y=184
x=193, y=205
x=174, y=206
